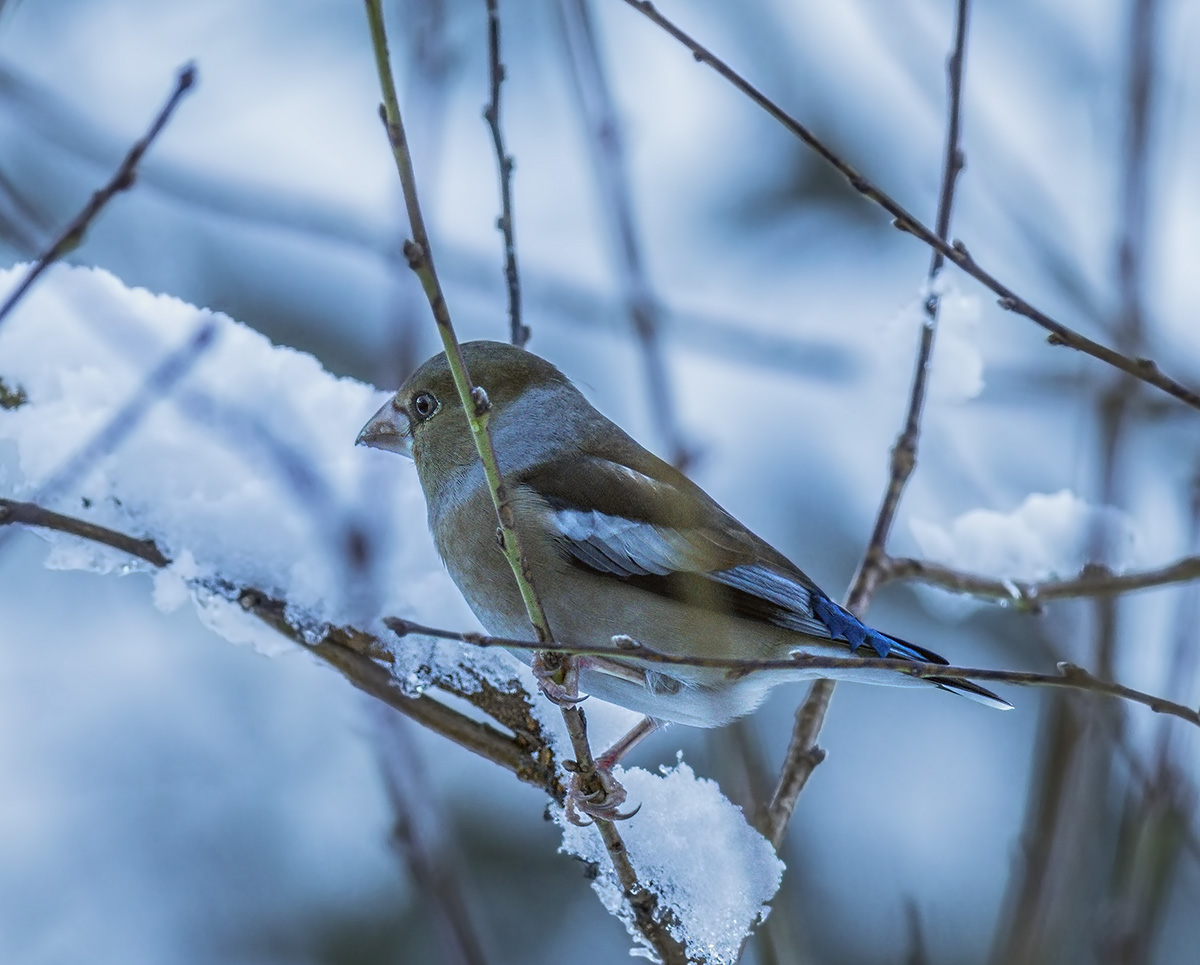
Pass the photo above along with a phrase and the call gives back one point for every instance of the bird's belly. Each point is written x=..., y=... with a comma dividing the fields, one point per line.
x=587, y=610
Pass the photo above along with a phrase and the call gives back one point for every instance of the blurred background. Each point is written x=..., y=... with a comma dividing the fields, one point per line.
x=169, y=797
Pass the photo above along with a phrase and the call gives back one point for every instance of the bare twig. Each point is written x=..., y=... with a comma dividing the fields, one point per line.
x=1033, y=901
x=1079, y=811
x=518, y=331
x=1140, y=368
x=1160, y=810
x=603, y=129
x=625, y=649
x=1093, y=580
x=803, y=755
x=349, y=651
x=477, y=409
x=30, y=514
x=123, y=180
x=419, y=253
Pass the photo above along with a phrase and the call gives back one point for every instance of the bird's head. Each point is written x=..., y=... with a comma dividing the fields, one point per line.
x=425, y=420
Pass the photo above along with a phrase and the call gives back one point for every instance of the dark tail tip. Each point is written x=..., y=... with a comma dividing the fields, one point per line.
x=971, y=690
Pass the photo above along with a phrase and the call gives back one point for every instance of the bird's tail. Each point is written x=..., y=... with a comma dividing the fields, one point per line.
x=956, y=685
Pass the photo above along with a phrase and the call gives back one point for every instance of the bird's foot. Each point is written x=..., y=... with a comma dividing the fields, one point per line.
x=557, y=679
x=596, y=796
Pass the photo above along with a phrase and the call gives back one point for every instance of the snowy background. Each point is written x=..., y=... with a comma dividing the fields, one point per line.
x=169, y=797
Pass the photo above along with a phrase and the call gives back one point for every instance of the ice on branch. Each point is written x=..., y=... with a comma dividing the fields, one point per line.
x=1048, y=535
x=956, y=372
x=695, y=851
x=244, y=471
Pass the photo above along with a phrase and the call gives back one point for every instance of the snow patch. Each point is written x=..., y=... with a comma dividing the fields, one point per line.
x=1048, y=535
x=695, y=851
x=244, y=471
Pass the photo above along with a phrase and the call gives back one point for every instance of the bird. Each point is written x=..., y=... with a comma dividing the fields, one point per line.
x=620, y=545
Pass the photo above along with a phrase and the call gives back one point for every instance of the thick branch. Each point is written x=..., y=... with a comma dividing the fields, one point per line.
x=343, y=648
x=1140, y=368
x=123, y=180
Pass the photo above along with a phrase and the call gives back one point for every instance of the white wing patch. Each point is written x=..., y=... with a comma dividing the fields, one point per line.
x=626, y=547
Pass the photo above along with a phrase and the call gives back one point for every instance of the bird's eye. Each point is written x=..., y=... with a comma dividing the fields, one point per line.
x=424, y=404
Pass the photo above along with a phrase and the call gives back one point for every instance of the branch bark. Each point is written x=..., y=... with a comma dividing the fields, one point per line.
x=518, y=331
x=1092, y=580
x=352, y=653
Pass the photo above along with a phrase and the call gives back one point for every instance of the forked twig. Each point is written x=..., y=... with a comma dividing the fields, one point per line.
x=1140, y=368
x=803, y=755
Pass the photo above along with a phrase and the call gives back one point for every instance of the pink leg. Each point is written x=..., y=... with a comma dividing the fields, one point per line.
x=605, y=795
x=641, y=730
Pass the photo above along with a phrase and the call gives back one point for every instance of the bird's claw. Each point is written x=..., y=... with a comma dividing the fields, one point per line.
x=596, y=796
x=546, y=670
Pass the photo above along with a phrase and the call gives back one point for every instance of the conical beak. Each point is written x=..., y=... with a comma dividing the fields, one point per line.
x=389, y=429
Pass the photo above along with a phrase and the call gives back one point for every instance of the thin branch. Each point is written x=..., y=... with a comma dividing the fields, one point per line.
x=1092, y=580
x=803, y=755
x=1137, y=891
x=603, y=128
x=477, y=409
x=518, y=332
x=1140, y=368
x=708, y=333
x=625, y=649
x=802, y=758
x=421, y=842
x=72, y=236
x=419, y=253
x=30, y=514
x=348, y=651
x=904, y=452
